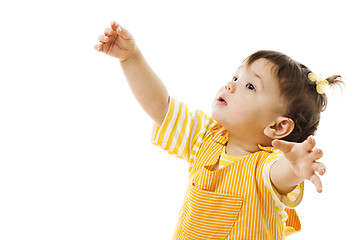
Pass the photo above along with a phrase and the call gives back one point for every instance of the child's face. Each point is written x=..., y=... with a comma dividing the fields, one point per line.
x=250, y=102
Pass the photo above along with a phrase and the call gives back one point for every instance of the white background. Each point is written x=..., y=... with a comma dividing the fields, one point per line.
x=76, y=160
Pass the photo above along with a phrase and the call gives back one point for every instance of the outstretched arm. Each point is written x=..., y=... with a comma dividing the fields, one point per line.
x=146, y=86
x=299, y=163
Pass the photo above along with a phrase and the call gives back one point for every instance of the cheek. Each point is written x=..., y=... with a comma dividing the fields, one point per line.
x=245, y=111
x=241, y=106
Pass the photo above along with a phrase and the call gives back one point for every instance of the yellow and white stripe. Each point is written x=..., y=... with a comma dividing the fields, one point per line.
x=182, y=132
x=228, y=197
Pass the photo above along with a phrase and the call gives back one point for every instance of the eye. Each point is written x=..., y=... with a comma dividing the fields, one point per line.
x=234, y=79
x=250, y=86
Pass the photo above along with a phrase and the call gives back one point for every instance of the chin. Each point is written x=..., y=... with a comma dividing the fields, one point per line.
x=220, y=119
x=216, y=117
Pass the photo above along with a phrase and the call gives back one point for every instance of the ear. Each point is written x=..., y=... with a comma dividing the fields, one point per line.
x=281, y=128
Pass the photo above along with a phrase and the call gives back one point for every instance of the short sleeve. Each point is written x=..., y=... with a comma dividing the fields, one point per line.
x=293, y=198
x=182, y=131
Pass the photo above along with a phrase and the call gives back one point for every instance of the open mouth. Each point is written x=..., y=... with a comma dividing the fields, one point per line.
x=221, y=100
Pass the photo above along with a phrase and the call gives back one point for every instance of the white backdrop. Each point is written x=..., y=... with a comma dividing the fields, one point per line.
x=76, y=161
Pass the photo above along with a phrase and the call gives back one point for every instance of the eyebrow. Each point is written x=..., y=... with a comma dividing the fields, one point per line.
x=259, y=79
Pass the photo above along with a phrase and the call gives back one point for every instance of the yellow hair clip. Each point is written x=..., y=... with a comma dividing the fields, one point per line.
x=321, y=83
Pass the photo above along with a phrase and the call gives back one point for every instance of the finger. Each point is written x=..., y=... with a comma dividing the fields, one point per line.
x=125, y=34
x=108, y=31
x=118, y=29
x=316, y=154
x=309, y=143
x=282, y=145
x=103, y=39
x=319, y=167
x=315, y=179
x=114, y=25
x=98, y=47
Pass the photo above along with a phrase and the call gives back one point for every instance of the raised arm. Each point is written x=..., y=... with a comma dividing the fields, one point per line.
x=146, y=86
x=299, y=163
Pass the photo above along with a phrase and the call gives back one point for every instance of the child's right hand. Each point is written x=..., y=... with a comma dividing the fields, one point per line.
x=117, y=42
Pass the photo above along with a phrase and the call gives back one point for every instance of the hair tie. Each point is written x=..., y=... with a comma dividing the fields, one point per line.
x=321, y=83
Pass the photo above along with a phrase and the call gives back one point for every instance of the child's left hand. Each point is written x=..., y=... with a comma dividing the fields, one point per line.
x=303, y=159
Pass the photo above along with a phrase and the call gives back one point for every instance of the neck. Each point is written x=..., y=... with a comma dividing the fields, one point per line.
x=238, y=147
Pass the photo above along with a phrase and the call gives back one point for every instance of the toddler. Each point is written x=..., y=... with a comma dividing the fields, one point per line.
x=249, y=159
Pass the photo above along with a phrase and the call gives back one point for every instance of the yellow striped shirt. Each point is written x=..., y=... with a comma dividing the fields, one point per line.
x=228, y=197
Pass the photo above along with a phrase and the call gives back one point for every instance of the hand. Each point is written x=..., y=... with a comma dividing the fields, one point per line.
x=116, y=42
x=303, y=158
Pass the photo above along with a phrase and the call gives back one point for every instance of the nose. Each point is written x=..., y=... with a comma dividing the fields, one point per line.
x=230, y=86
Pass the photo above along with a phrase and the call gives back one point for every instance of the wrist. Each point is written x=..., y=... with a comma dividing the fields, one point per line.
x=293, y=177
x=132, y=54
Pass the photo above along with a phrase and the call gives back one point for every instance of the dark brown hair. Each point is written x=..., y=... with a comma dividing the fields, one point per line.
x=303, y=103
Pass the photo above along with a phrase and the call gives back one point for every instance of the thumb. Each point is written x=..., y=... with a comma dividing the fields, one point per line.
x=282, y=145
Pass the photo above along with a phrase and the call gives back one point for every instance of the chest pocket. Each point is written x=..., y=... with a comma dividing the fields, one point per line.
x=207, y=215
